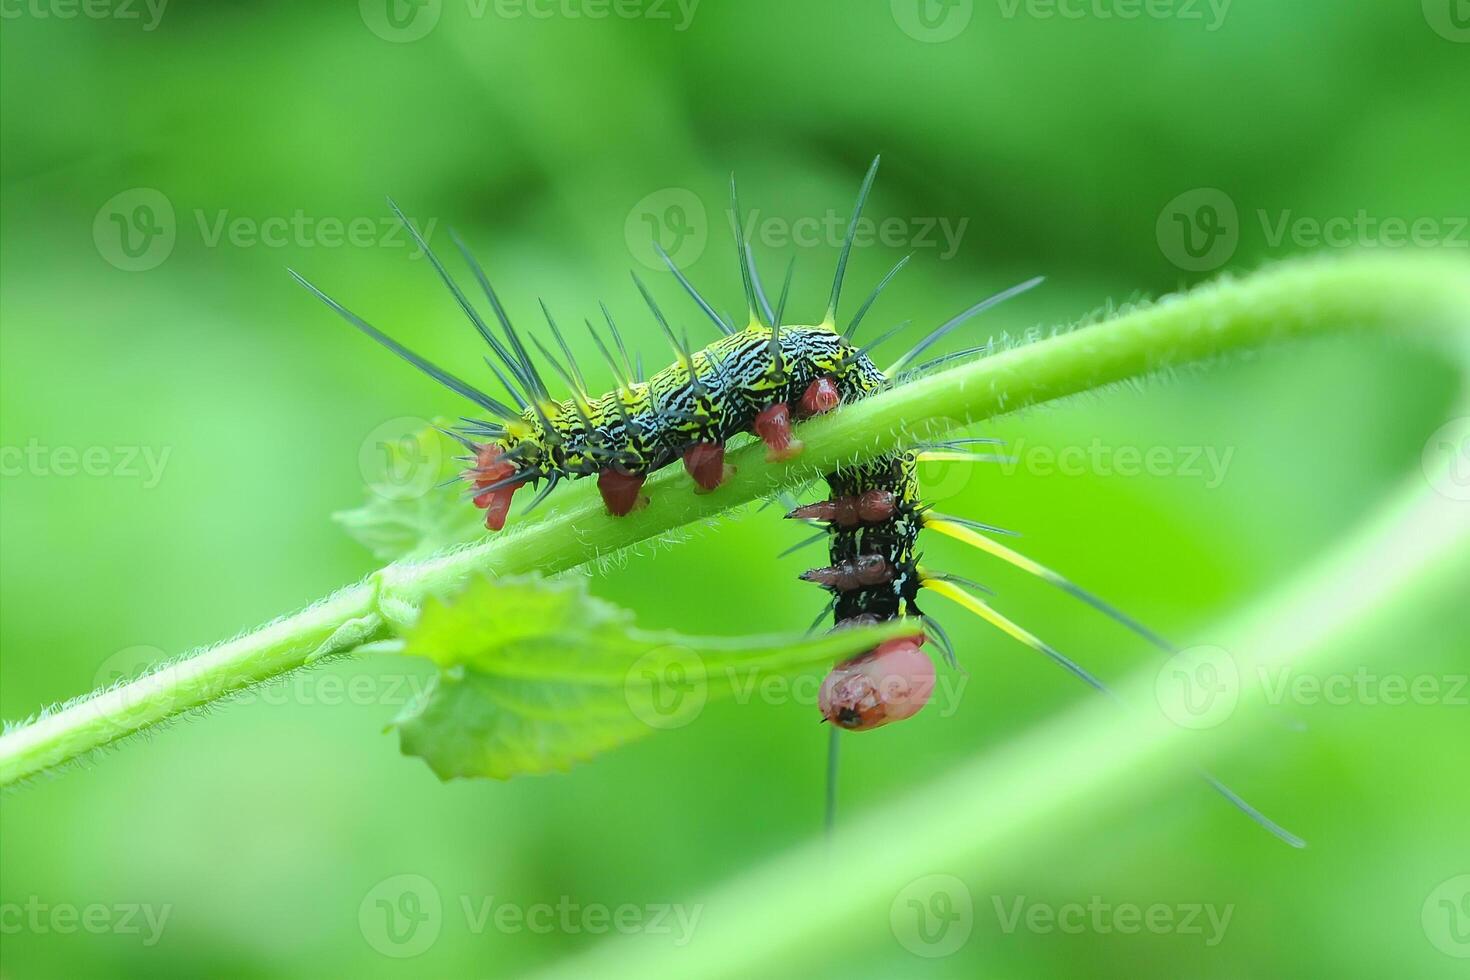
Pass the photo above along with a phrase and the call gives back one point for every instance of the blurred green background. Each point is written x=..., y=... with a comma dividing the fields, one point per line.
x=162, y=168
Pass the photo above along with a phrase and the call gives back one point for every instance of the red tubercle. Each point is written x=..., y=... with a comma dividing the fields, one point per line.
x=705, y=462
x=876, y=506
x=820, y=397
x=497, y=506
x=621, y=492
x=870, y=507
x=846, y=576
x=773, y=425
x=490, y=469
x=822, y=510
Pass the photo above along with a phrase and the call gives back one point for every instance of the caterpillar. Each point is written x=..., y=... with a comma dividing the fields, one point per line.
x=758, y=379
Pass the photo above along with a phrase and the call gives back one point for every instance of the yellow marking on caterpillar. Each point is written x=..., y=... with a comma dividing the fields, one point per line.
x=970, y=536
x=982, y=609
x=977, y=540
x=953, y=456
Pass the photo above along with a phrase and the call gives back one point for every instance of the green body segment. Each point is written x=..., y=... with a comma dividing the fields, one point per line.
x=713, y=394
x=706, y=396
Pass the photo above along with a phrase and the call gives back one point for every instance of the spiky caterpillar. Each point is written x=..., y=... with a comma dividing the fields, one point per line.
x=757, y=379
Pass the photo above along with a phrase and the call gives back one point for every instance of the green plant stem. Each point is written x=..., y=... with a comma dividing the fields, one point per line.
x=1422, y=297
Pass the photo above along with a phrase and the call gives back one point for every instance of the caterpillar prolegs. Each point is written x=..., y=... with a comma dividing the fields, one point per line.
x=757, y=379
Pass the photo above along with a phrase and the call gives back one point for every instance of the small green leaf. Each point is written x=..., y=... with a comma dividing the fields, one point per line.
x=537, y=675
x=409, y=513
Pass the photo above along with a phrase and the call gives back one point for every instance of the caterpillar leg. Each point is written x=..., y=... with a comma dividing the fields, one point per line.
x=705, y=462
x=773, y=425
x=820, y=397
x=621, y=491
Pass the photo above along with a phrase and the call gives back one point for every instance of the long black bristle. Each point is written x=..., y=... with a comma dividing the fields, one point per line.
x=981, y=526
x=946, y=646
x=846, y=253
x=785, y=292
x=1077, y=670
x=939, y=333
x=612, y=362
x=479, y=428
x=862, y=312
x=542, y=494
x=576, y=402
x=536, y=387
x=821, y=616
x=521, y=476
x=581, y=381
x=968, y=583
x=934, y=362
x=510, y=389
x=760, y=290
x=479, y=323
x=456, y=436
x=699, y=299
x=829, y=815
x=681, y=350
x=958, y=443
x=805, y=542
x=742, y=247
x=633, y=372
x=428, y=367
x=884, y=337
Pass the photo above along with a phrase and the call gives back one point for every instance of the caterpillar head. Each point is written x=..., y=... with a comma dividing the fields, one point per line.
x=501, y=468
x=889, y=683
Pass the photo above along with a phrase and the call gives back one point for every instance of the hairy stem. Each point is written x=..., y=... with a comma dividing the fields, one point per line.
x=1423, y=297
